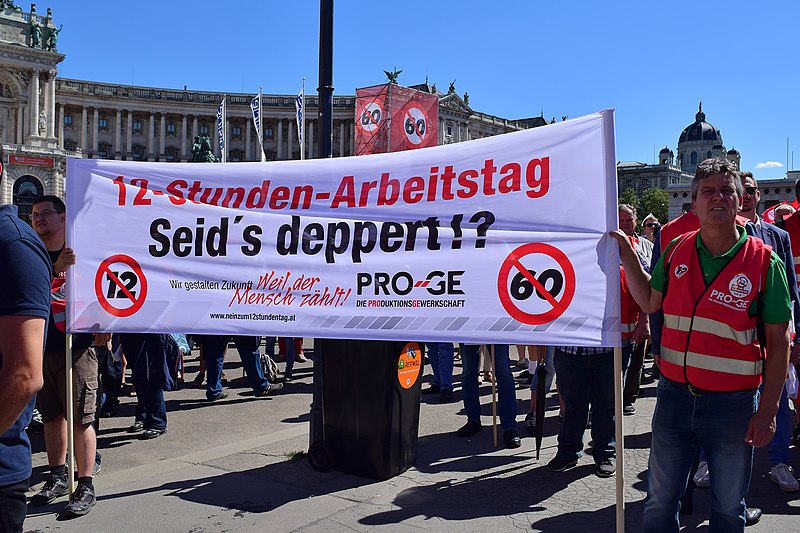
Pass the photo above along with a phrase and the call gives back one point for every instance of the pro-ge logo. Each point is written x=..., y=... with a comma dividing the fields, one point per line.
x=680, y=270
x=740, y=286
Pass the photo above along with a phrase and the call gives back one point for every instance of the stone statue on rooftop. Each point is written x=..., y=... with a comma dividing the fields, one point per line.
x=36, y=33
x=52, y=37
x=452, y=88
x=392, y=76
x=466, y=98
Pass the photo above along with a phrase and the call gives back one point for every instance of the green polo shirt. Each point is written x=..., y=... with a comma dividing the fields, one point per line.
x=777, y=306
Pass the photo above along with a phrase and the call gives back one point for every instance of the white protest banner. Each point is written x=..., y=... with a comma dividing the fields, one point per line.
x=501, y=239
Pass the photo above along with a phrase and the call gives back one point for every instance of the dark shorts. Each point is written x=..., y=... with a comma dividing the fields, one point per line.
x=52, y=399
x=13, y=507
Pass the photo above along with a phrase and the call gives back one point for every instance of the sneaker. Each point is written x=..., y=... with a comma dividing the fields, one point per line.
x=288, y=375
x=629, y=410
x=301, y=358
x=221, y=396
x=701, y=477
x=607, y=467
x=511, y=438
x=530, y=423
x=152, y=433
x=469, y=429
x=272, y=387
x=81, y=501
x=136, y=427
x=53, y=488
x=446, y=396
x=783, y=475
x=559, y=464
x=432, y=389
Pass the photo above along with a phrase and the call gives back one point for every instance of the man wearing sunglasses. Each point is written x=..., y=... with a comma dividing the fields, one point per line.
x=780, y=472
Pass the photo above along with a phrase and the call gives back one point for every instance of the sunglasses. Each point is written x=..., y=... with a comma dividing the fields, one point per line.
x=750, y=190
x=652, y=225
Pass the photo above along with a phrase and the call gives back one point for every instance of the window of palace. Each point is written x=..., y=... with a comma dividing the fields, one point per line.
x=204, y=129
x=171, y=128
x=104, y=151
x=26, y=190
x=171, y=153
x=236, y=132
x=137, y=152
x=137, y=126
x=102, y=124
x=68, y=121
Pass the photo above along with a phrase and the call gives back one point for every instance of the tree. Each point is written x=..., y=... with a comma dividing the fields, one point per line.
x=655, y=201
x=629, y=197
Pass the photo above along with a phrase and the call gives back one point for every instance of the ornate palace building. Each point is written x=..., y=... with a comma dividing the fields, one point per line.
x=45, y=118
x=698, y=141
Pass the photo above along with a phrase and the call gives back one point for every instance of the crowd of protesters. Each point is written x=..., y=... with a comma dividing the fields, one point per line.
x=722, y=226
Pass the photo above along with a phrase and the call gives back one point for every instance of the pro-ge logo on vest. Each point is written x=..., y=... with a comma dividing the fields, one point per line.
x=740, y=286
x=680, y=270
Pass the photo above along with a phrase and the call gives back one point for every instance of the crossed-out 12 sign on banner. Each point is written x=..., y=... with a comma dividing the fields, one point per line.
x=415, y=125
x=536, y=283
x=371, y=117
x=120, y=285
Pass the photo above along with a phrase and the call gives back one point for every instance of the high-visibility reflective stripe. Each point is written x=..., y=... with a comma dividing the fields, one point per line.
x=707, y=325
x=796, y=259
x=716, y=364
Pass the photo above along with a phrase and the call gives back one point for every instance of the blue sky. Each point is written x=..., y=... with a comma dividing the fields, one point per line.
x=651, y=61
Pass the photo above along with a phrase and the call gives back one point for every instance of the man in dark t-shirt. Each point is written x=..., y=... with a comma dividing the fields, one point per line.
x=24, y=308
x=49, y=222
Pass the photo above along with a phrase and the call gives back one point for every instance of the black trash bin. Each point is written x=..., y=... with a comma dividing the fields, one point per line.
x=371, y=396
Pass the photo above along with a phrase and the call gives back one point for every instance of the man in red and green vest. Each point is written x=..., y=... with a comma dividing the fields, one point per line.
x=727, y=309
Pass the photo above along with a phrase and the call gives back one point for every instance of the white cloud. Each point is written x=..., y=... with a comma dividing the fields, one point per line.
x=770, y=164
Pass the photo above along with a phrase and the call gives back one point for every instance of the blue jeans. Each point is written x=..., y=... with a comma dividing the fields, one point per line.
x=150, y=406
x=214, y=347
x=440, y=354
x=779, y=446
x=585, y=379
x=682, y=423
x=291, y=353
x=506, y=392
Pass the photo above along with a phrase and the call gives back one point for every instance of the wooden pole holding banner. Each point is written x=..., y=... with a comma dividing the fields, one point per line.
x=619, y=435
x=70, y=418
x=494, y=397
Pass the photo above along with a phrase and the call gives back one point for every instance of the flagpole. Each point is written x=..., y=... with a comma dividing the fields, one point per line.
x=70, y=418
x=222, y=147
x=303, y=131
x=260, y=130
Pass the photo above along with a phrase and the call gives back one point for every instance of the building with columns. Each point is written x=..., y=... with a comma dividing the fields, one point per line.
x=45, y=118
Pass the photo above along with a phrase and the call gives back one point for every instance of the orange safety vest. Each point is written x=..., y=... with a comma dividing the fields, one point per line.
x=684, y=224
x=792, y=225
x=629, y=308
x=709, y=339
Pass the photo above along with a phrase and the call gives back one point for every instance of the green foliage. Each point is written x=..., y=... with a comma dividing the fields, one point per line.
x=629, y=197
x=654, y=201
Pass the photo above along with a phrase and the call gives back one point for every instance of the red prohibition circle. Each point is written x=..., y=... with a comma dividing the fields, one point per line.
x=101, y=296
x=513, y=261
